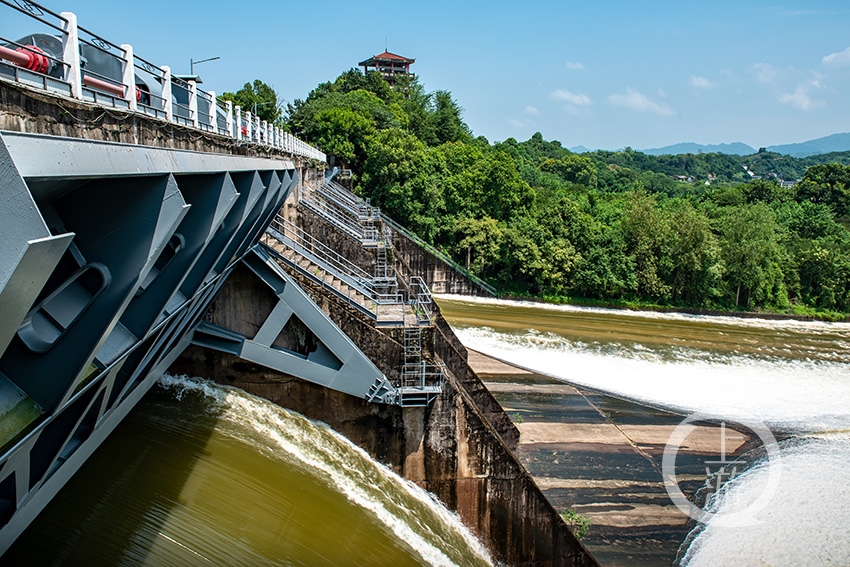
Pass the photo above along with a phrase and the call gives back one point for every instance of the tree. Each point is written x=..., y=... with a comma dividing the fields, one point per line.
x=481, y=242
x=752, y=252
x=761, y=191
x=258, y=98
x=446, y=119
x=696, y=265
x=827, y=184
x=341, y=132
x=648, y=236
x=574, y=169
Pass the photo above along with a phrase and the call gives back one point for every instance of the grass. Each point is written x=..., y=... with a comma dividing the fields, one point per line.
x=577, y=523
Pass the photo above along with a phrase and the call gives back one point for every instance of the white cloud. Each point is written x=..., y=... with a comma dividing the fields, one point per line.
x=578, y=99
x=516, y=123
x=701, y=83
x=574, y=66
x=764, y=72
x=801, y=99
x=638, y=101
x=531, y=110
x=839, y=58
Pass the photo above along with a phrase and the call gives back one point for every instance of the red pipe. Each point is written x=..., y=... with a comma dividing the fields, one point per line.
x=33, y=58
x=117, y=90
x=29, y=57
x=16, y=57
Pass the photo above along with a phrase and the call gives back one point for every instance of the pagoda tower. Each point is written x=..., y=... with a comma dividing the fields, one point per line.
x=389, y=65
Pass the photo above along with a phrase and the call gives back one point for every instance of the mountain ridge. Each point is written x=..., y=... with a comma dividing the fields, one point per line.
x=833, y=143
x=838, y=142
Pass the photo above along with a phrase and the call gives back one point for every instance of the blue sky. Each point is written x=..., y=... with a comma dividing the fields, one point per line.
x=598, y=74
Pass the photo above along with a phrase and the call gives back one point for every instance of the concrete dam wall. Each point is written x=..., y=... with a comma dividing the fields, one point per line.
x=447, y=434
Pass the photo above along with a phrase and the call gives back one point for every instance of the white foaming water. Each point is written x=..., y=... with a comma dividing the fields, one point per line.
x=796, y=395
x=807, y=522
x=411, y=513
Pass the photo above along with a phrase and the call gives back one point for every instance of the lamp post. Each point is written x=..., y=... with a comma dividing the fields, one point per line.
x=192, y=63
x=256, y=104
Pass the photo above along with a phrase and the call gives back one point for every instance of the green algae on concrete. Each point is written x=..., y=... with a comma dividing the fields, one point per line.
x=17, y=411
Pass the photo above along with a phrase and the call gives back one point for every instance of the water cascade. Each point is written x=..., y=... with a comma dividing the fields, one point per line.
x=204, y=474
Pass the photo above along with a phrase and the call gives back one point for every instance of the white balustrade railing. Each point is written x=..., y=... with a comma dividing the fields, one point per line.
x=59, y=56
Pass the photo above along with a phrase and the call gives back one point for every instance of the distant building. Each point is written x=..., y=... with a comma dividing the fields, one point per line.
x=388, y=64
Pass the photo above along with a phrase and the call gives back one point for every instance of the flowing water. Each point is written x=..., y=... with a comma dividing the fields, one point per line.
x=793, y=376
x=199, y=474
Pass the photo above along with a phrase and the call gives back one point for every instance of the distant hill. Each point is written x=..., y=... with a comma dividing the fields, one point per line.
x=579, y=150
x=735, y=148
x=827, y=144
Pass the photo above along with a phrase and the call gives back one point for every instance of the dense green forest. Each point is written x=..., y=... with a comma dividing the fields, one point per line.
x=611, y=227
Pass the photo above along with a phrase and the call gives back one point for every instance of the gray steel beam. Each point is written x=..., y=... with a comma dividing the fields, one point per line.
x=109, y=256
x=337, y=363
x=73, y=158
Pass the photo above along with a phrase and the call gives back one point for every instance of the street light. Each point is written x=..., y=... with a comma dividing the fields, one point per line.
x=192, y=63
x=256, y=104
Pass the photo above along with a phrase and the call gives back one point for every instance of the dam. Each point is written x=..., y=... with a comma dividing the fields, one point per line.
x=150, y=226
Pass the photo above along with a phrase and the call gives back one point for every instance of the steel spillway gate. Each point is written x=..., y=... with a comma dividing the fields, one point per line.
x=109, y=256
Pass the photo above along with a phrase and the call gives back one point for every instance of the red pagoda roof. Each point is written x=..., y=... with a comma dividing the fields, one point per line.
x=386, y=56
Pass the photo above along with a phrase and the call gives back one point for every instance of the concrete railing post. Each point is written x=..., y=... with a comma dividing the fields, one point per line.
x=228, y=108
x=238, y=111
x=129, y=78
x=167, y=96
x=213, y=112
x=249, y=123
x=266, y=133
x=193, y=103
x=71, y=54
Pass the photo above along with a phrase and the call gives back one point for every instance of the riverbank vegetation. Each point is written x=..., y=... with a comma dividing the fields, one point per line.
x=707, y=231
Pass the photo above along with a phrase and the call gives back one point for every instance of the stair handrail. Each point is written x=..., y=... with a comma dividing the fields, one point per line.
x=329, y=260
x=333, y=215
x=287, y=232
x=371, y=312
x=439, y=255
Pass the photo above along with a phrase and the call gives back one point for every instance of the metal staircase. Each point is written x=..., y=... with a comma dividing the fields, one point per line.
x=384, y=296
x=297, y=249
x=354, y=218
x=385, y=275
x=418, y=378
x=363, y=210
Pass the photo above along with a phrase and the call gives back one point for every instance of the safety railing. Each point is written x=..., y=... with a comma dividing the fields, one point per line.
x=366, y=233
x=50, y=51
x=330, y=261
x=422, y=375
x=151, y=98
x=313, y=247
x=359, y=207
x=184, y=104
x=25, y=56
x=350, y=295
x=440, y=255
x=420, y=300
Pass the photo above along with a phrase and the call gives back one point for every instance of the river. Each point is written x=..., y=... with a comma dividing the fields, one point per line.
x=792, y=376
x=199, y=474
